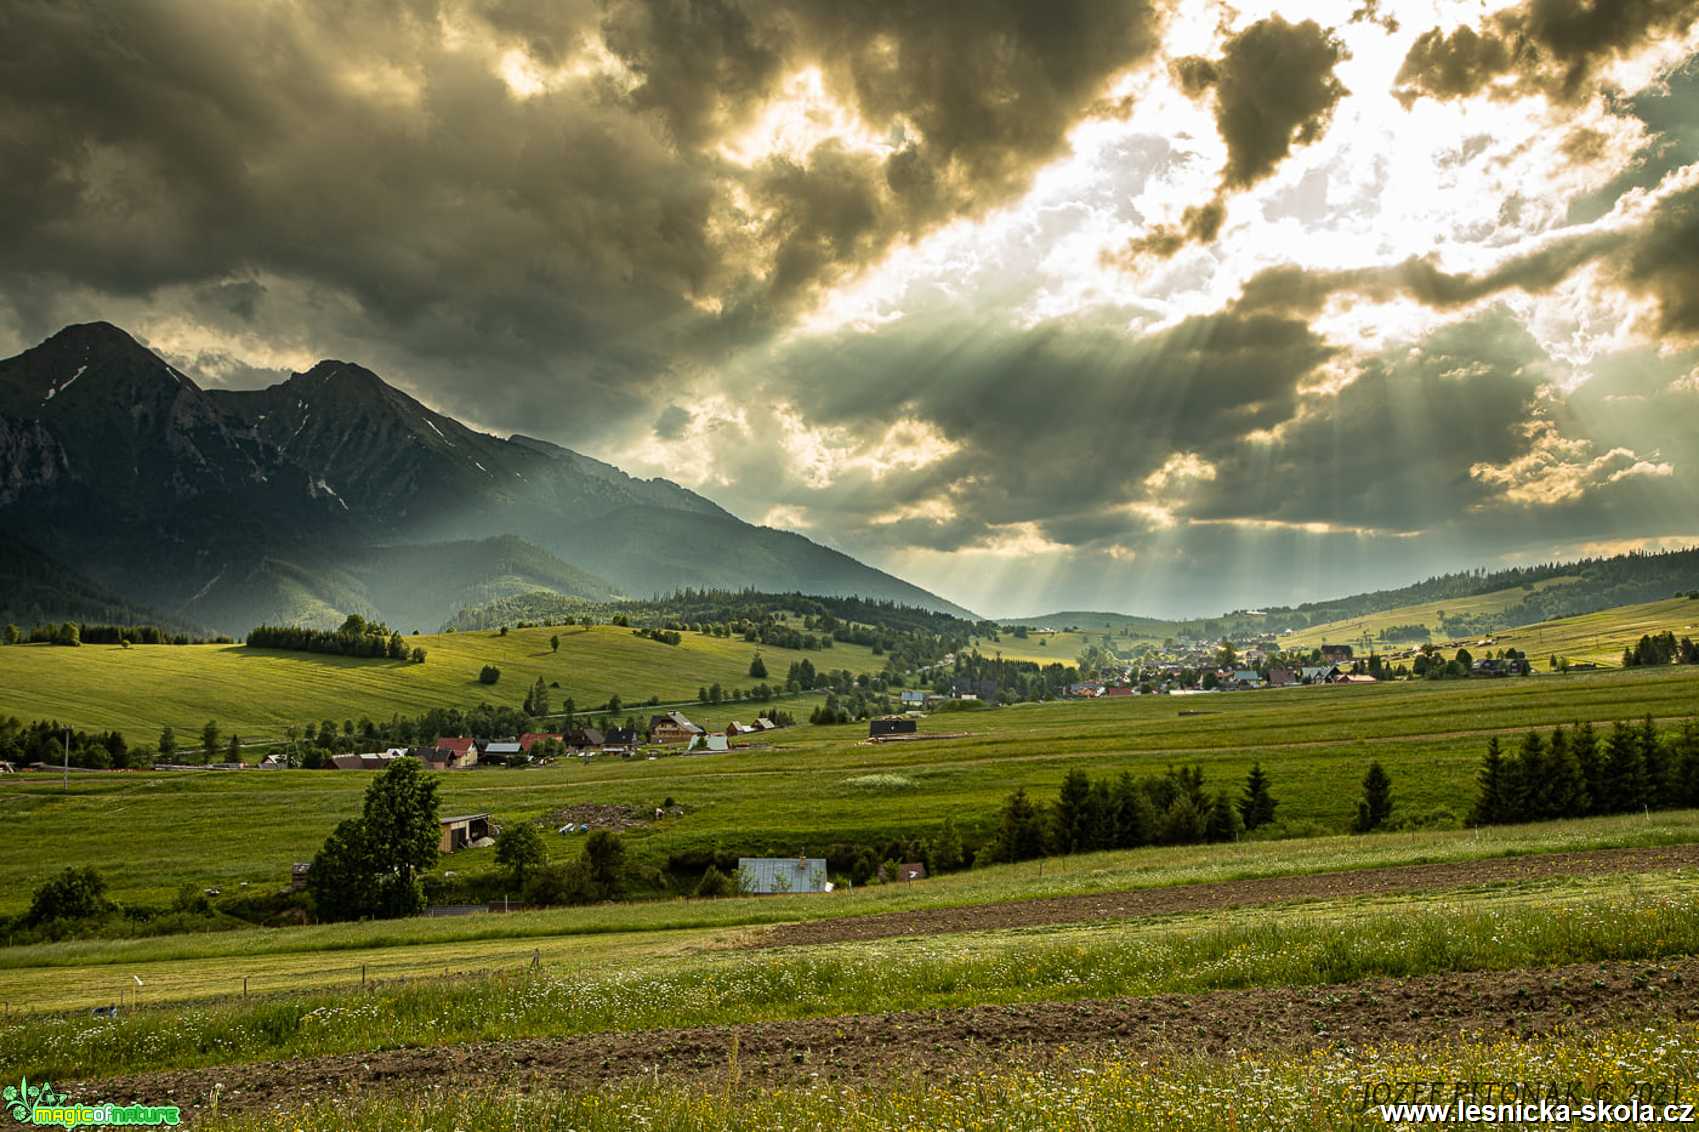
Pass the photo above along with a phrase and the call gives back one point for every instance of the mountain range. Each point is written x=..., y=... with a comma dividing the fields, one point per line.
x=334, y=492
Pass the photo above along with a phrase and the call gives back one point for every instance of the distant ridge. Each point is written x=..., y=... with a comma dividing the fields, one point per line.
x=227, y=508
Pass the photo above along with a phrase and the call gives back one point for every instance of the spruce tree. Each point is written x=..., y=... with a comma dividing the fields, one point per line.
x=1684, y=761
x=1624, y=776
x=1655, y=760
x=1071, y=812
x=1491, y=805
x=1376, y=804
x=947, y=847
x=1020, y=837
x=1568, y=792
x=1222, y=822
x=1256, y=807
x=1528, y=785
x=1135, y=819
x=1585, y=745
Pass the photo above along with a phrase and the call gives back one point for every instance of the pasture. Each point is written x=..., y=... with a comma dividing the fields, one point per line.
x=258, y=692
x=151, y=832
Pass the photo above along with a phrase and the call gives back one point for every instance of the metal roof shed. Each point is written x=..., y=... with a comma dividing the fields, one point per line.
x=762, y=876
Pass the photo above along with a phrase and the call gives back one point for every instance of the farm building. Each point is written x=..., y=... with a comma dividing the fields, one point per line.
x=507, y=751
x=460, y=832
x=709, y=745
x=532, y=738
x=619, y=738
x=1281, y=677
x=298, y=875
x=891, y=725
x=370, y=761
x=672, y=727
x=585, y=738
x=764, y=876
x=913, y=698
x=452, y=753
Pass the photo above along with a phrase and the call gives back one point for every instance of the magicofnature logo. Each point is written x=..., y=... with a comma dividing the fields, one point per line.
x=41, y=1105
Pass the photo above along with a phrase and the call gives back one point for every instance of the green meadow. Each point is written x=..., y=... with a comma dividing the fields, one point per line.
x=258, y=692
x=152, y=832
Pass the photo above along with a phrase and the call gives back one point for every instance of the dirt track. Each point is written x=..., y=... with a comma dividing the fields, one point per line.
x=1228, y=894
x=1523, y=1003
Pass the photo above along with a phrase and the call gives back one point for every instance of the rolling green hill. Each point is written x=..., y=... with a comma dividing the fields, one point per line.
x=818, y=785
x=1465, y=617
x=258, y=692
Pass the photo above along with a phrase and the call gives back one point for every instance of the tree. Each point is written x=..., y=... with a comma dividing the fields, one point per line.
x=1376, y=804
x=1222, y=822
x=74, y=894
x=520, y=850
x=418, y=655
x=1135, y=818
x=13, y=634
x=489, y=674
x=947, y=847
x=757, y=668
x=1585, y=746
x=1623, y=778
x=1566, y=796
x=1020, y=836
x=1256, y=807
x=1653, y=758
x=1072, y=834
x=401, y=835
x=69, y=634
x=1491, y=803
x=604, y=855
x=209, y=740
x=341, y=880
x=1181, y=823
x=167, y=742
x=537, y=700
x=714, y=883
x=554, y=643
x=233, y=751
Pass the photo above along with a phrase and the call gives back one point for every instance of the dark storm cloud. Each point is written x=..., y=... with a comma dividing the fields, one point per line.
x=1056, y=426
x=672, y=422
x=1274, y=88
x=1300, y=291
x=550, y=260
x=1551, y=46
x=1660, y=262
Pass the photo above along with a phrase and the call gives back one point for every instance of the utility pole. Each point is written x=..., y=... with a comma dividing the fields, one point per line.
x=67, y=760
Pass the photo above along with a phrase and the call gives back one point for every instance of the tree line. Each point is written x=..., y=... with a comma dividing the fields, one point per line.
x=1660, y=648
x=1571, y=773
x=356, y=637
x=82, y=633
x=1126, y=812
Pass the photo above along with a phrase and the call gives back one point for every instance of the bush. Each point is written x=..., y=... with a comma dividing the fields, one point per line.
x=714, y=883
x=489, y=674
x=561, y=884
x=75, y=894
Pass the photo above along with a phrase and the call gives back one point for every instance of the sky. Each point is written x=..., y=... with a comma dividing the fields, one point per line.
x=1091, y=304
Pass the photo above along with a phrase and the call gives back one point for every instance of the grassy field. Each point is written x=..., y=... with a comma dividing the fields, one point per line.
x=69, y=974
x=624, y=984
x=258, y=692
x=817, y=785
x=1319, y=1091
x=1597, y=637
x=1601, y=637
x=1350, y=631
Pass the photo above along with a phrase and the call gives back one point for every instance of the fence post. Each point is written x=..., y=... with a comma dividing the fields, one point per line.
x=244, y=986
x=362, y=976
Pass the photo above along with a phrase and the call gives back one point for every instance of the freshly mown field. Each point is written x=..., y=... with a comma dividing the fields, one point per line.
x=1116, y=1017
x=150, y=833
x=1596, y=637
x=258, y=692
x=1351, y=630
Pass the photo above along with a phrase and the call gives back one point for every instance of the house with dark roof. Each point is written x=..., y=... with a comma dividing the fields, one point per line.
x=672, y=727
